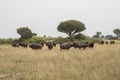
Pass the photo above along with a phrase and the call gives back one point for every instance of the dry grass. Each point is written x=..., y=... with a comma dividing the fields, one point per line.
x=99, y=63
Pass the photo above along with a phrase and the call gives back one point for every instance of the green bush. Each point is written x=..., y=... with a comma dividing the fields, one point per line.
x=61, y=39
x=2, y=41
x=96, y=40
x=6, y=41
x=80, y=37
x=36, y=39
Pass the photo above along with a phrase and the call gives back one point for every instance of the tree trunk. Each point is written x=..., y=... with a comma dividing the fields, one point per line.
x=71, y=38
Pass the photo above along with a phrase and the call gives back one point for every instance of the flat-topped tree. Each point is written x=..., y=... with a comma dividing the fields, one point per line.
x=117, y=32
x=71, y=27
x=25, y=33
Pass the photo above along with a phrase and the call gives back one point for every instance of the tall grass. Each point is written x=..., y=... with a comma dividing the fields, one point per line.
x=99, y=63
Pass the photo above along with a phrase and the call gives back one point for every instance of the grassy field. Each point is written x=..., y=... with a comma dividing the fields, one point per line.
x=99, y=63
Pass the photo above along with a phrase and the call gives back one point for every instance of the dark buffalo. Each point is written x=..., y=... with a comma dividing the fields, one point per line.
x=112, y=42
x=76, y=45
x=15, y=44
x=35, y=46
x=91, y=44
x=106, y=42
x=83, y=45
x=66, y=46
x=50, y=45
x=42, y=43
x=23, y=44
x=101, y=42
x=54, y=44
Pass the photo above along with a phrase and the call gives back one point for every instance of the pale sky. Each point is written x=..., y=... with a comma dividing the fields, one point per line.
x=43, y=16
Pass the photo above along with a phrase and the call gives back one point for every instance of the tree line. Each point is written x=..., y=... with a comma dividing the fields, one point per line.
x=72, y=28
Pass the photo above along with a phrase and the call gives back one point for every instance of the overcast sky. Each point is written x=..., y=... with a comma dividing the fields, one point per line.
x=43, y=16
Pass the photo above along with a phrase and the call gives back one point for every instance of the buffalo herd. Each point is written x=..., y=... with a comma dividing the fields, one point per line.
x=106, y=42
x=63, y=46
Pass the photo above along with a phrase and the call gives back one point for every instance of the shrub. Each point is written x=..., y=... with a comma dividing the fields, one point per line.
x=36, y=39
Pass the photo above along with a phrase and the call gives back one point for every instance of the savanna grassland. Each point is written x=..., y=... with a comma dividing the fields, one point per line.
x=99, y=63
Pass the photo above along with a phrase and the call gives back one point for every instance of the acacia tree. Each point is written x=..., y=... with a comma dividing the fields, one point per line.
x=117, y=32
x=71, y=27
x=25, y=33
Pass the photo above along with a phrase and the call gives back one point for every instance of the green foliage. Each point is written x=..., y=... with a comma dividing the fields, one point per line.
x=6, y=41
x=25, y=33
x=117, y=32
x=80, y=36
x=36, y=39
x=49, y=39
x=61, y=39
x=96, y=40
x=16, y=40
x=71, y=27
x=9, y=41
x=2, y=41
x=34, y=34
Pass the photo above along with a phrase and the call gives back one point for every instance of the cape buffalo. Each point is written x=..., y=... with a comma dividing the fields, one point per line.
x=66, y=46
x=15, y=44
x=101, y=42
x=112, y=42
x=35, y=46
x=23, y=44
x=50, y=45
x=106, y=42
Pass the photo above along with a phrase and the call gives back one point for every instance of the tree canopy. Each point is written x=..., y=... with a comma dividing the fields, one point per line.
x=25, y=33
x=97, y=34
x=117, y=32
x=71, y=27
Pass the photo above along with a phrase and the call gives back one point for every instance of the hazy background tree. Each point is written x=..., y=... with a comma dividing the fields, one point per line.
x=25, y=33
x=97, y=35
x=110, y=37
x=71, y=27
x=117, y=32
